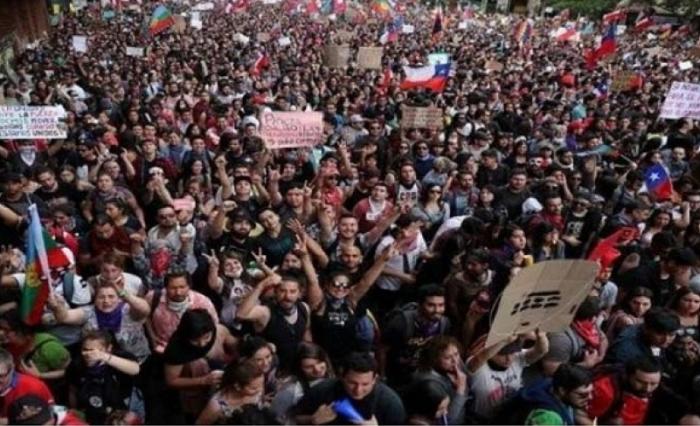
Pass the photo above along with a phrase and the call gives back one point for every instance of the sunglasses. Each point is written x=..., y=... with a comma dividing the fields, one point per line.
x=341, y=285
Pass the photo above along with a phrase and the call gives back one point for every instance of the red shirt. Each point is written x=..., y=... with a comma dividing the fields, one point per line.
x=632, y=411
x=22, y=385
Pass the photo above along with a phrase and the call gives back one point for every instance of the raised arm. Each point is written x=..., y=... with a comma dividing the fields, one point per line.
x=250, y=308
x=362, y=287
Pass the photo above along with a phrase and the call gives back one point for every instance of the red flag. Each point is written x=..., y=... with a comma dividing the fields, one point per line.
x=606, y=251
x=260, y=64
x=614, y=17
x=643, y=23
x=607, y=47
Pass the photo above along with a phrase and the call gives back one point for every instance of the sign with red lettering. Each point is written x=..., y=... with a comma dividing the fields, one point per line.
x=291, y=129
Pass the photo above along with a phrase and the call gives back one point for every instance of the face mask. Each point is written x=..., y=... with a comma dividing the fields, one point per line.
x=26, y=149
x=179, y=307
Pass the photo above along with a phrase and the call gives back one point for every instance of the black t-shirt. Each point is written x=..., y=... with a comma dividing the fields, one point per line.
x=64, y=193
x=512, y=201
x=383, y=403
x=275, y=248
x=100, y=389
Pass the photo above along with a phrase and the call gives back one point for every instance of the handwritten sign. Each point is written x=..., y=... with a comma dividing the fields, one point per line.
x=344, y=36
x=136, y=52
x=545, y=295
x=336, y=56
x=80, y=43
x=624, y=80
x=682, y=101
x=291, y=129
x=24, y=122
x=370, y=58
x=421, y=117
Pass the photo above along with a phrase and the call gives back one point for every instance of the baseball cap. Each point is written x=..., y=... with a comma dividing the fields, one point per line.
x=29, y=410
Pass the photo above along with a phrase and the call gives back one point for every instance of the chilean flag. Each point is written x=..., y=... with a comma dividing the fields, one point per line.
x=432, y=77
x=658, y=182
x=259, y=65
x=607, y=47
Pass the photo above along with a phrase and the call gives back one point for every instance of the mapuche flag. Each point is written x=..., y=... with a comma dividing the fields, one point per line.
x=42, y=252
x=161, y=20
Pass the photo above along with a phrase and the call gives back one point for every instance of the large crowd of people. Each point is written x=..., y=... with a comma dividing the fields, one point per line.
x=213, y=280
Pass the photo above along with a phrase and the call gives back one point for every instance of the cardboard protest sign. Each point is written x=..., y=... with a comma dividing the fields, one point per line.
x=421, y=117
x=624, y=80
x=545, y=295
x=24, y=122
x=494, y=66
x=263, y=37
x=370, y=58
x=336, y=56
x=136, y=52
x=180, y=24
x=291, y=129
x=344, y=36
x=682, y=101
x=80, y=43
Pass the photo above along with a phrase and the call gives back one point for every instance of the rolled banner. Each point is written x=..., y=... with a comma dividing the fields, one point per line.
x=345, y=408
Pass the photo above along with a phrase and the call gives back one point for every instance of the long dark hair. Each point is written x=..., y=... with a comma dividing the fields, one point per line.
x=193, y=324
x=311, y=351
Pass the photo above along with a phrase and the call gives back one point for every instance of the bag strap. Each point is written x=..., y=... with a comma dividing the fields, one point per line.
x=68, y=283
x=155, y=301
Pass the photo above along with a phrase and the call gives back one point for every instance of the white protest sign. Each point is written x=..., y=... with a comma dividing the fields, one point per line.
x=545, y=295
x=291, y=129
x=196, y=20
x=685, y=65
x=682, y=101
x=284, y=41
x=439, y=58
x=463, y=25
x=240, y=38
x=136, y=52
x=24, y=122
x=204, y=6
x=80, y=43
x=408, y=29
x=620, y=29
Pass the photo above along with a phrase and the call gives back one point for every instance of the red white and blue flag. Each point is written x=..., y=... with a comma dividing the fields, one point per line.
x=658, y=182
x=607, y=47
x=432, y=77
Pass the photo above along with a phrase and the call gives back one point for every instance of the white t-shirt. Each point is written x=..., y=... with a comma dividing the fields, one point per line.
x=81, y=289
x=491, y=387
x=390, y=283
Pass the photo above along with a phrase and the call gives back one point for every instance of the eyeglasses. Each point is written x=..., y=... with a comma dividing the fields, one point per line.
x=341, y=285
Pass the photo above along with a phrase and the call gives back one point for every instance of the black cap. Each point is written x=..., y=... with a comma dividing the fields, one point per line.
x=661, y=320
x=683, y=256
x=29, y=410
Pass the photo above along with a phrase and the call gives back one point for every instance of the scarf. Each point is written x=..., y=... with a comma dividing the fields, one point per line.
x=179, y=307
x=110, y=321
x=587, y=330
